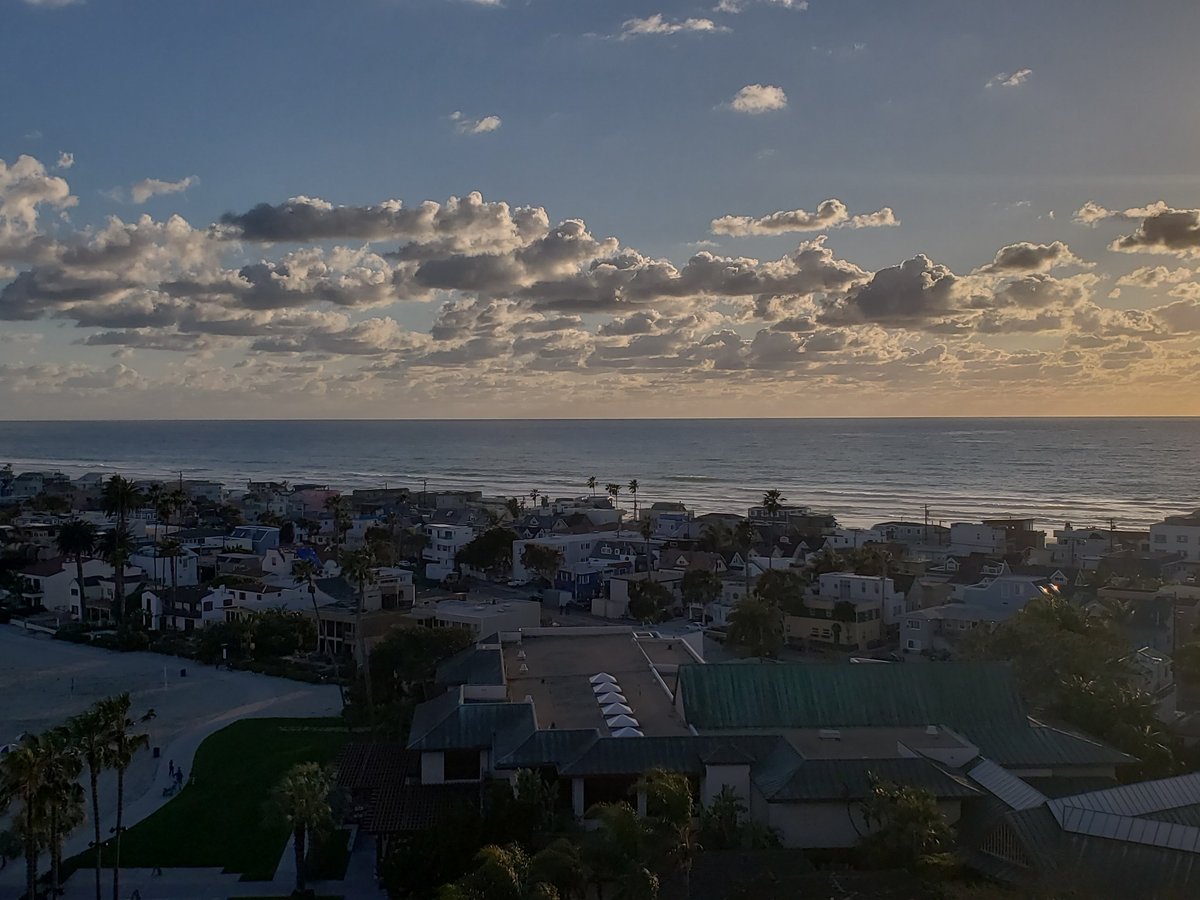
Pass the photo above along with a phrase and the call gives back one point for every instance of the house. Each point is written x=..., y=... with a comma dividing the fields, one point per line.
x=479, y=618
x=1178, y=534
x=616, y=604
x=182, y=569
x=584, y=581
x=445, y=541
x=333, y=607
x=801, y=518
x=178, y=610
x=53, y=582
x=574, y=548
x=255, y=539
x=1136, y=841
x=912, y=534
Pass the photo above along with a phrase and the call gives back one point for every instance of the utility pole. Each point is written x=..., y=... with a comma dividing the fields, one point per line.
x=1112, y=533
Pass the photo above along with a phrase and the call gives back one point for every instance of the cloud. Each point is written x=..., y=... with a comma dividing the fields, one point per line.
x=1091, y=212
x=1010, y=79
x=52, y=4
x=1163, y=230
x=1027, y=257
x=65, y=161
x=755, y=99
x=657, y=25
x=1154, y=276
x=830, y=213
x=475, y=126
x=25, y=187
x=151, y=187
x=733, y=7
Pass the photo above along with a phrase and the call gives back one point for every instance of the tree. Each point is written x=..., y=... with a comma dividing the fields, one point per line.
x=715, y=537
x=119, y=497
x=744, y=537
x=784, y=589
x=358, y=567
x=756, y=627
x=619, y=853
x=338, y=508
x=1187, y=662
x=724, y=826
x=405, y=661
x=77, y=539
x=490, y=552
x=170, y=549
x=304, y=572
x=700, y=587
x=614, y=494
x=543, y=560
x=649, y=600
x=23, y=779
x=633, y=492
x=116, y=547
x=89, y=732
x=64, y=797
x=907, y=828
x=647, y=531
x=591, y=484
x=123, y=746
x=669, y=809
x=772, y=502
x=302, y=801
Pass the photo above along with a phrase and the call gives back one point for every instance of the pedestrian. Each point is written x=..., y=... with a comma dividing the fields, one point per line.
x=171, y=768
x=136, y=895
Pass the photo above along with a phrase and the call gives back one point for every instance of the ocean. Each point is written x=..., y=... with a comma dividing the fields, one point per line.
x=1085, y=471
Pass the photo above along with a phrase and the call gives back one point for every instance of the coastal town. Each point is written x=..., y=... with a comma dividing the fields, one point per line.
x=805, y=686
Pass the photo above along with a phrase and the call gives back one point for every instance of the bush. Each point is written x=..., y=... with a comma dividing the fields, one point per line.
x=74, y=633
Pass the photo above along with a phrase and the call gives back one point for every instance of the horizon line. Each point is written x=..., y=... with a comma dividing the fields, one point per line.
x=1029, y=417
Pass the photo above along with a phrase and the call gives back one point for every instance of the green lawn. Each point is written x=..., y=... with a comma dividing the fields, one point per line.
x=220, y=819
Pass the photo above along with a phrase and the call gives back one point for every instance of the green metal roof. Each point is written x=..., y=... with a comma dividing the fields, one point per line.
x=1017, y=746
x=682, y=753
x=550, y=747
x=801, y=695
x=472, y=666
x=499, y=726
x=850, y=779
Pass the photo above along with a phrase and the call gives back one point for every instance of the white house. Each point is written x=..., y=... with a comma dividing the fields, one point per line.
x=1177, y=534
x=159, y=566
x=857, y=588
x=574, y=548
x=444, y=543
x=52, y=582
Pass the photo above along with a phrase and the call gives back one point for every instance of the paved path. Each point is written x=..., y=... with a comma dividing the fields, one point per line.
x=44, y=681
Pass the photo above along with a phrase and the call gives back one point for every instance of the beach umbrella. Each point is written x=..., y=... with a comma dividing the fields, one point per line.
x=627, y=732
x=615, y=709
x=622, y=721
x=606, y=699
x=601, y=678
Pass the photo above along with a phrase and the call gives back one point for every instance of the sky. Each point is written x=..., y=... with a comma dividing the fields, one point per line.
x=563, y=208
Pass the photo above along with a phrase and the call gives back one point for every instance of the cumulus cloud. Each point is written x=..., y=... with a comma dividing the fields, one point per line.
x=25, y=187
x=482, y=125
x=1164, y=230
x=658, y=25
x=1028, y=257
x=755, y=99
x=151, y=187
x=1155, y=276
x=65, y=161
x=830, y=213
x=733, y=7
x=1010, y=79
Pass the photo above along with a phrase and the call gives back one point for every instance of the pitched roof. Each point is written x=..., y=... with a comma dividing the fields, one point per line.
x=680, y=753
x=840, y=779
x=472, y=666
x=448, y=724
x=803, y=695
x=549, y=747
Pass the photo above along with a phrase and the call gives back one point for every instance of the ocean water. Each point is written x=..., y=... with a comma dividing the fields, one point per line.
x=862, y=470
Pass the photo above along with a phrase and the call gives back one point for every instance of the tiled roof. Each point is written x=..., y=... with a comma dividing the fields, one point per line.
x=413, y=807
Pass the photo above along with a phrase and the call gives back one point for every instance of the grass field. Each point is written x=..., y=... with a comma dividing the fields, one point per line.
x=220, y=819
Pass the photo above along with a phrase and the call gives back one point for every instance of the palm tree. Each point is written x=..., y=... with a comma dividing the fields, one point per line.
x=119, y=498
x=715, y=537
x=647, y=531
x=756, y=626
x=301, y=800
x=772, y=502
x=744, y=537
x=591, y=485
x=76, y=540
x=23, y=778
x=170, y=549
x=116, y=548
x=614, y=493
x=669, y=807
x=358, y=567
x=340, y=511
x=64, y=796
x=633, y=489
x=122, y=748
x=304, y=571
x=89, y=733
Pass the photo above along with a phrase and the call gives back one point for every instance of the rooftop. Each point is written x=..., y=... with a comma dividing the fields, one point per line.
x=559, y=666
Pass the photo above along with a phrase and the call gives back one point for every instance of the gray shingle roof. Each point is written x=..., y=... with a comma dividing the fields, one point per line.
x=472, y=666
x=446, y=724
x=844, y=779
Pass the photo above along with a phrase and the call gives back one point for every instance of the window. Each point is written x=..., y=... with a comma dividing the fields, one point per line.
x=1181, y=539
x=461, y=765
x=1160, y=539
x=208, y=606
